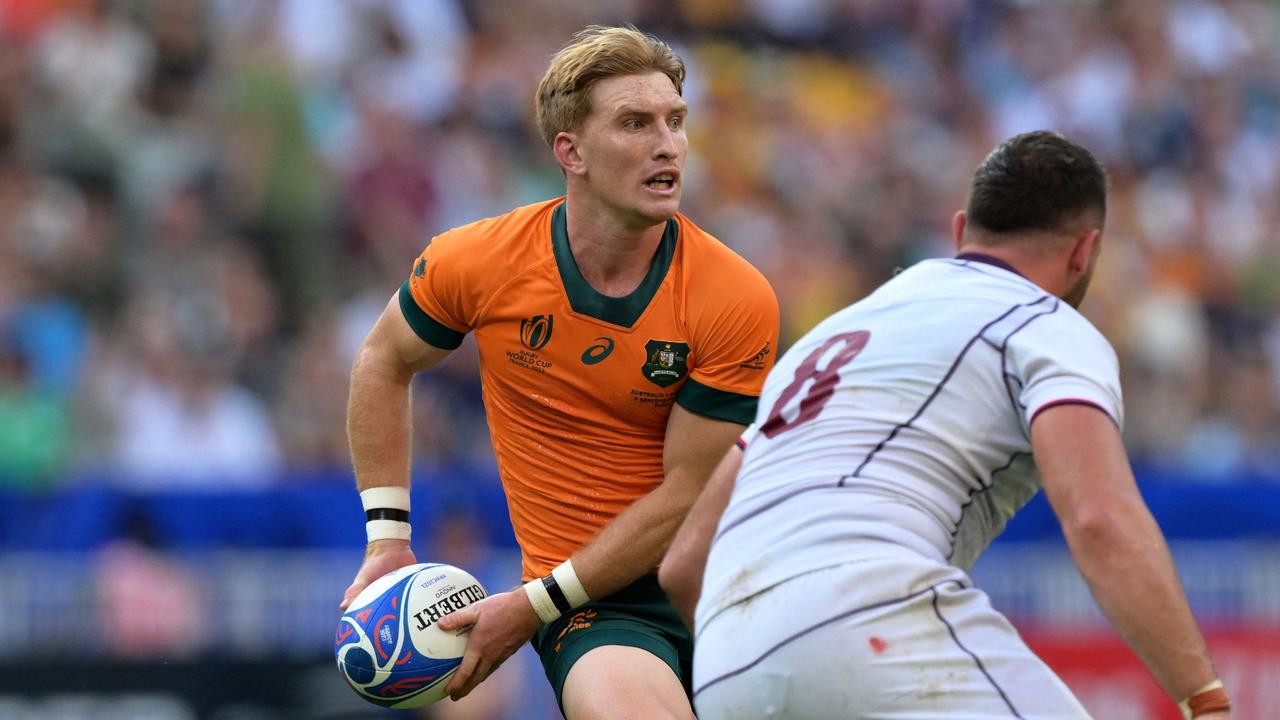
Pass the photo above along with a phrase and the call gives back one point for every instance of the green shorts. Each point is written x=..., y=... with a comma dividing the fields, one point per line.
x=639, y=615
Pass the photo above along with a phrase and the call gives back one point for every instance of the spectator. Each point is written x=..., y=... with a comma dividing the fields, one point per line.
x=34, y=426
x=253, y=167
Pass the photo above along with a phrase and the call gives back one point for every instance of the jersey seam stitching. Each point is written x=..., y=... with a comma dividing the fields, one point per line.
x=973, y=495
x=835, y=618
x=483, y=312
x=1015, y=404
x=1004, y=359
x=955, y=365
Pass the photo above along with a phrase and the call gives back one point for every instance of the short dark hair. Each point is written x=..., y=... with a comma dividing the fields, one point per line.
x=1035, y=181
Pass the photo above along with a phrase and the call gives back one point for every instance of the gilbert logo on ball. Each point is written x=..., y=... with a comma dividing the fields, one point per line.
x=388, y=646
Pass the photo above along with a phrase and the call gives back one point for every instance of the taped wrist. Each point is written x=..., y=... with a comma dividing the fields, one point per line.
x=386, y=512
x=556, y=593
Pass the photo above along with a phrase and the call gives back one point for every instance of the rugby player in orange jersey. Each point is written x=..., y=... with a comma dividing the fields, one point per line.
x=622, y=352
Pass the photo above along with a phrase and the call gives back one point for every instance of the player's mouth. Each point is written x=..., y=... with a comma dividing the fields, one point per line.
x=663, y=182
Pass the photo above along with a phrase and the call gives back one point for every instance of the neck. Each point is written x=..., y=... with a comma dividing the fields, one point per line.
x=1043, y=271
x=612, y=256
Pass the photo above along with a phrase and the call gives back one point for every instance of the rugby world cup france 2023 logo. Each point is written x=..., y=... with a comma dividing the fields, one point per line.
x=535, y=332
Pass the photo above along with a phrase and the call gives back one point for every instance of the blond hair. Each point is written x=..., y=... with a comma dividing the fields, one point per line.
x=597, y=52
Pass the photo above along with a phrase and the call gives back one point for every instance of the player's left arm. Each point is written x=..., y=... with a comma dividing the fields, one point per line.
x=740, y=321
x=686, y=560
x=1071, y=387
x=635, y=541
x=631, y=545
x=1117, y=545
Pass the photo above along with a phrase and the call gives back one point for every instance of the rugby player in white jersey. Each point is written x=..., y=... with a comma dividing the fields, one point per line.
x=893, y=442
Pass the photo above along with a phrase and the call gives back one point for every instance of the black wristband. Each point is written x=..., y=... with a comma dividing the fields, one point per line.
x=557, y=595
x=386, y=514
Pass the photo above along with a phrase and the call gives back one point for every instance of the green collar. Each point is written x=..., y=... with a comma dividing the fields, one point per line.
x=586, y=300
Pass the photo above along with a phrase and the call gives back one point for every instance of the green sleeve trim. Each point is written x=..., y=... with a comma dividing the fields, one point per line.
x=427, y=328
x=717, y=404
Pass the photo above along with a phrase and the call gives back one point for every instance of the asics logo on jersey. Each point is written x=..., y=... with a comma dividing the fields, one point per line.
x=535, y=332
x=597, y=352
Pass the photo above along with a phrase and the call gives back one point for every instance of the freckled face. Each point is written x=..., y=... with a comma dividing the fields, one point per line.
x=633, y=147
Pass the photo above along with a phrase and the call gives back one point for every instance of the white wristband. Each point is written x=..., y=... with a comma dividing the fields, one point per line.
x=388, y=496
x=387, y=530
x=386, y=511
x=568, y=581
x=557, y=593
x=541, y=601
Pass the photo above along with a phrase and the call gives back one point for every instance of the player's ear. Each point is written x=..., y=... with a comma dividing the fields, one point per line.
x=1084, y=248
x=568, y=154
x=958, y=222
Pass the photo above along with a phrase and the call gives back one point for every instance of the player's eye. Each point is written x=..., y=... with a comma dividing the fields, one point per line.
x=633, y=123
x=676, y=122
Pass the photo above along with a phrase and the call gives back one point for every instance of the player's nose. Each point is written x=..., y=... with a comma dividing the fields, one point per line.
x=667, y=145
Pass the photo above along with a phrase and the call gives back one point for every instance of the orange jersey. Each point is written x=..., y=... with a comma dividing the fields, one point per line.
x=578, y=385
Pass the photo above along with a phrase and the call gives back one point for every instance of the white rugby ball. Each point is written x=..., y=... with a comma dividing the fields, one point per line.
x=388, y=646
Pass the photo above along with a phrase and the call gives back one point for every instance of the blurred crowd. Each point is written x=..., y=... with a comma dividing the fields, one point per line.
x=204, y=205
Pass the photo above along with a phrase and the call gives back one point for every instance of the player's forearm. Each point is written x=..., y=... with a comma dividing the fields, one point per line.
x=1117, y=545
x=634, y=542
x=686, y=559
x=378, y=426
x=1123, y=557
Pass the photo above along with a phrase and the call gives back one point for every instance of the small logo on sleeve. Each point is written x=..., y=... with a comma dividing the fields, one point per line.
x=597, y=352
x=666, y=362
x=420, y=267
x=757, y=361
x=535, y=332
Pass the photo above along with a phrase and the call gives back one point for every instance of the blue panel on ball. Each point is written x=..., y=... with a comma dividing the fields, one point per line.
x=359, y=666
x=433, y=667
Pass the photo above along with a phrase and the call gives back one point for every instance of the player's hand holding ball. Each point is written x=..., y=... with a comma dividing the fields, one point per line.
x=391, y=647
x=499, y=625
x=380, y=558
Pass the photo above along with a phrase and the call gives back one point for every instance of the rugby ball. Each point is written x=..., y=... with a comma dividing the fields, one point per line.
x=388, y=646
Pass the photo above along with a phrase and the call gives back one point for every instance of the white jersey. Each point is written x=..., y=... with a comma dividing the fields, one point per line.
x=900, y=425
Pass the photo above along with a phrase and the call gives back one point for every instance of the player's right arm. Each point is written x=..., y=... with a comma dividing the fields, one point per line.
x=1118, y=547
x=378, y=425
